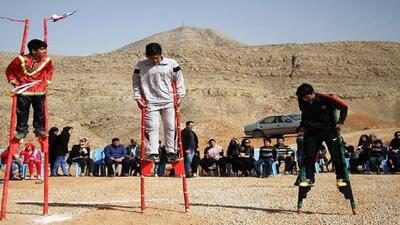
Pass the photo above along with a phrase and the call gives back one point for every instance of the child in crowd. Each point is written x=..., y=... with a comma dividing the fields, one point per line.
x=32, y=157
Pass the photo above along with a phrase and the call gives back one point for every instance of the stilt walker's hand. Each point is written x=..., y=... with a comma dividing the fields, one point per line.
x=140, y=104
x=178, y=104
x=339, y=126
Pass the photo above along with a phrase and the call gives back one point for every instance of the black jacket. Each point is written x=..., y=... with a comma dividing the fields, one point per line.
x=186, y=138
x=320, y=114
x=62, y=142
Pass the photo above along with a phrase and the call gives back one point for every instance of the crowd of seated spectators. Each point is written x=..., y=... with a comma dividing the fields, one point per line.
x=370, y=156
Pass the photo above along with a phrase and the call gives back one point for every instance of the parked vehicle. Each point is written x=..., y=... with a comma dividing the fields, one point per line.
x=274, y=126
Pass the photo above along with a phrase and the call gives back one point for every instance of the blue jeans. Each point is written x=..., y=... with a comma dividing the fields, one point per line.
x=266, y=165
x=15, y=164
x=60, y=161
x=188, y=159
x=161, y=169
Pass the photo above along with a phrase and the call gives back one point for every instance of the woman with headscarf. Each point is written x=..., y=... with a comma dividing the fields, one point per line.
x=62, y=151
x=53, y=132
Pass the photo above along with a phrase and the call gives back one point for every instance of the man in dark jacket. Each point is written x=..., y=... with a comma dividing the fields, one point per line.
x=319, y=123
x=116, y=154
x=190, y=143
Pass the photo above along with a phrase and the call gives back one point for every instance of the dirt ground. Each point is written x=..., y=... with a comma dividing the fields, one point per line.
x=214, y=200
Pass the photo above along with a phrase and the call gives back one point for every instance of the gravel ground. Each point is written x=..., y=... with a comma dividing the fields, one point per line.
x=213, y=200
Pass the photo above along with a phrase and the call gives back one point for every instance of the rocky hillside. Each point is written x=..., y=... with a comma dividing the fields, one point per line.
x=228, y=84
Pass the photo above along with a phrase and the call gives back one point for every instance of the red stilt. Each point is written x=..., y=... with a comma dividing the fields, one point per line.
x=13, y=144
x=178, y=130
x=44, y=142
x=142, y=162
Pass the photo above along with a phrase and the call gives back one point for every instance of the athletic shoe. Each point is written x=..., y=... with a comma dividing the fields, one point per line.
x=40, y=133
x=341, y=183
x=20, y=135
x=172, y=157
x=152, y=157
x=306, y=183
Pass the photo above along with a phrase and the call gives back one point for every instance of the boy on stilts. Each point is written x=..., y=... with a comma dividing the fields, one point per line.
x=31, y=73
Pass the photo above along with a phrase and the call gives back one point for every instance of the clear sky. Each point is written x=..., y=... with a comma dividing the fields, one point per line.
x=105, y=25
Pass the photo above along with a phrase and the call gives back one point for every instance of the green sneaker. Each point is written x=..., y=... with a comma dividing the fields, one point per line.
x=306, y=183
x=341, y=183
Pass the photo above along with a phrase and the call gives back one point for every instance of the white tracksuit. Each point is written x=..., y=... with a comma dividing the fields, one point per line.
x=154, y=83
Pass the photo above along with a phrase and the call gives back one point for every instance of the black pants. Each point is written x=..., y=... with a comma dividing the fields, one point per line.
x=195, y=163
x=312, y=142
x=134, y=165
x=110, y=163
x=23, y=105
x=83, y=162
x=394, y=162
x=375, y=162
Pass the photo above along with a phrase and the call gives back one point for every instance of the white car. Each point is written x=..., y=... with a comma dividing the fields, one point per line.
x=274, y=126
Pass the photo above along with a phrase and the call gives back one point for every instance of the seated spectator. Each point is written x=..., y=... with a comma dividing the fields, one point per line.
x=355, y=160
x=80, y=154
x=394, y=153
x=322, y=159
x=300, y=147
x=32, y=157
x=15, y=163
x=285, y=154
x=133, y=155
x=233, y=156
x=364, y=144
x=247, y=157
x=267, y=156
x=213, y=158
x=377, y=155
x=115, y=154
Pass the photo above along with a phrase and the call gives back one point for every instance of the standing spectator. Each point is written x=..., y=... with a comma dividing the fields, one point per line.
x=62, y=151
x=267, y=156
x=34, y=70
x=377, y=155
x=15, y=163
x=115, y=154
x=53, y=133
x=247, y=156
x=285, y=154
x=394, y=153
x=195, y=162
x=163, y=161
x=32, y=157
x=81, y=154
x=133, y=155
x=318, y=120
x=152, y=89
x=190, y=143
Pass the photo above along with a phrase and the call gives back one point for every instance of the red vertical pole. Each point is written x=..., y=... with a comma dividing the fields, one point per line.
x=24, y=37
x=178, y=130
x=45, y=32
x=11, y=150
x=45, y=144
x=142, y=150
x=13, y=144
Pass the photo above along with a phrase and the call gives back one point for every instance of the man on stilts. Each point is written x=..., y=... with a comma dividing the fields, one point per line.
x=319, y=121
x=152, y=89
